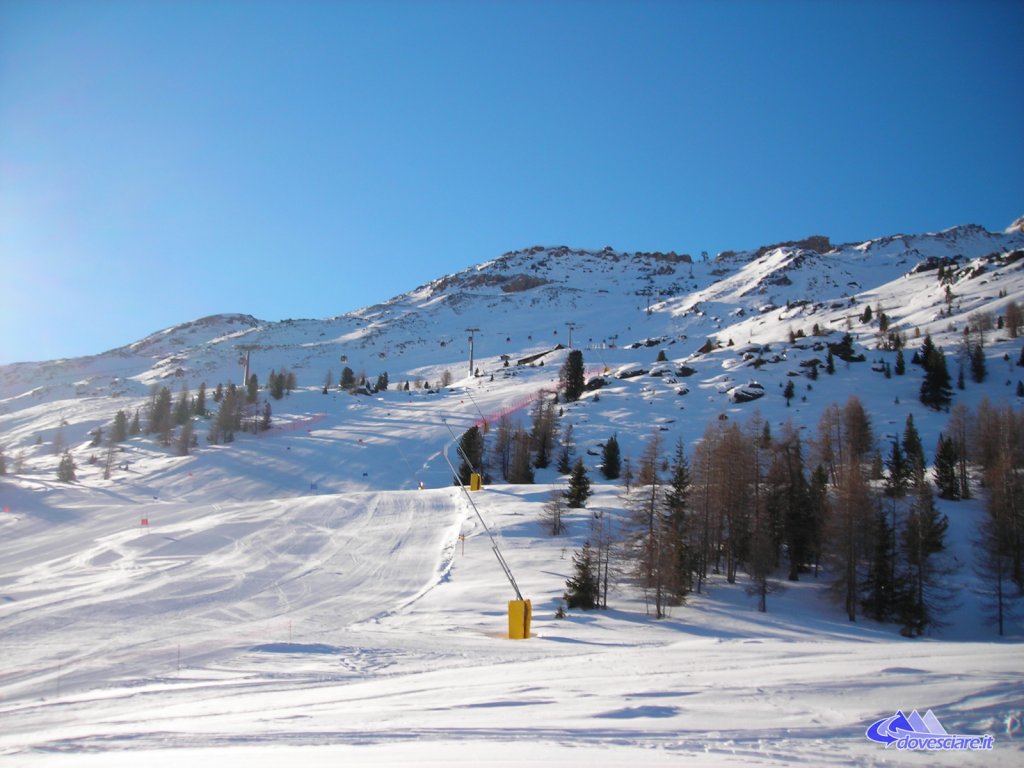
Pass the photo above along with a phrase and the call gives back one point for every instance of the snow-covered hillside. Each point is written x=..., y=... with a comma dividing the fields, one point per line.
x=295, y=596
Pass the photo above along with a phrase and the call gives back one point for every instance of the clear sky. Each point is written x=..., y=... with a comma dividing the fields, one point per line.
x=165, y=160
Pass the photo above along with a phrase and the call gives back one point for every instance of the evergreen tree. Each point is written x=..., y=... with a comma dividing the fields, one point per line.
x=901, y=365
x=135, y=427
x=252, y=389
x=218, y=393
x=183, y=407
x=936, y=392
x=611, y=459
x=882, y=593
x=276, y=383
x=119, y=432
x=66, y=469
x=900, y=472
x=946, y=461
x=471, y=450
x=382, y=382
x=185, y=438
x=265, y=421
x=923, y=539
x=160, y=420
x=676, y=504
x=348, y=379
x=978, y=368
x=229, y=417
x=789, y=392
x=579, y=486
x=583, y=588
x=199, y=407
x=788, y=501
x=913, y=450
x=572, y=376
x=830, y=363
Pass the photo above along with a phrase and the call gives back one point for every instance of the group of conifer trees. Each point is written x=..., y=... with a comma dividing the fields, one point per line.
x=778, y=507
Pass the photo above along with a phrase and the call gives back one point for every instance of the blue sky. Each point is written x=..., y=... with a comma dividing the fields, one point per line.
x=165, y=160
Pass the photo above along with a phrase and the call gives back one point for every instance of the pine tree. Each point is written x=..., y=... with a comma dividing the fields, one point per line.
x=789, y=392
x=276, y=383
x=881, y=590
x=199, y=407
x=900, y=471
x=946, y=460
x=901, y=365
x=936, y=392
x=913, y=450
x=923, y=539
x=583, y=588
x=160, y=420
x=611, y=460
x=830, y=363
x=788, y=502
x=572, y=376
x=382, y=382
x=265, y=421
x=66, y=469
x=348, y=379
x=252, y=389
x=184, y=442
x=579, y=486
x=228, y=418
x=471, y=450
x=119, y=431
x=183, y=407
x=676, y=503
x=978, y=368
x=135, y=427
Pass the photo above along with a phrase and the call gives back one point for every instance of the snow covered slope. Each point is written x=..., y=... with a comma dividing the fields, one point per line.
x=293, y=596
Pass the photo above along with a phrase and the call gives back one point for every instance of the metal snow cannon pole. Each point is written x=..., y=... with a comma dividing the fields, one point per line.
x=520, y=611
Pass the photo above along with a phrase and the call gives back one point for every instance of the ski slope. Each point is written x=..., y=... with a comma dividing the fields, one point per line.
x=294, y=597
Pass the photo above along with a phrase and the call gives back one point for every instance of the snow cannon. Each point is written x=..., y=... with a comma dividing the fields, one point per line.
x=520, y=612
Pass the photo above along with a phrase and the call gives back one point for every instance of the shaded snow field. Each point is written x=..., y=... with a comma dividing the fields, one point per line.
x=361, y=627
